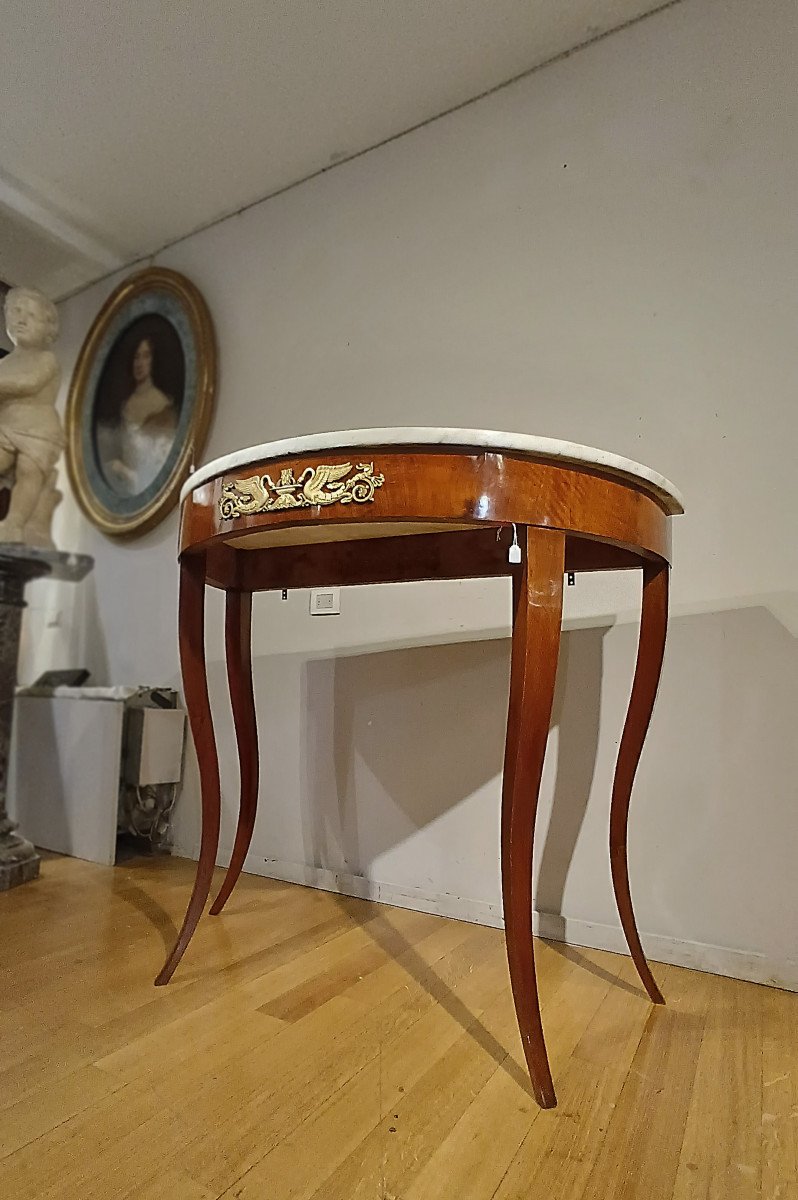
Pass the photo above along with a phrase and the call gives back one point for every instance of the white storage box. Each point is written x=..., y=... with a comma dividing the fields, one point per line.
x=75, y=751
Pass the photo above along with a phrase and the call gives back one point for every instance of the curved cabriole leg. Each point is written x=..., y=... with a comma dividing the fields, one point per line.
x=651, y=647
x=537, y=618
x=238, y=647
x=195, y=689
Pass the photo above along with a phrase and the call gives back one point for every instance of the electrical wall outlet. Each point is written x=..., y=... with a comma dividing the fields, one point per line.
x=325, y=602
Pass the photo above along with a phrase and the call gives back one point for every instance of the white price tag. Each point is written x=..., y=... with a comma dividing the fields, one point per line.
x=514, y=553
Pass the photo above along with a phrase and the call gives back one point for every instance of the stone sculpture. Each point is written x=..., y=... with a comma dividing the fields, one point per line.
x=31, y=435
x=31, y=441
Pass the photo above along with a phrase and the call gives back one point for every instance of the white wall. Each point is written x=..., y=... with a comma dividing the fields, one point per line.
x=605, y=251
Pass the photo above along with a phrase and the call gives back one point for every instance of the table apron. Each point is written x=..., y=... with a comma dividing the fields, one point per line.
x=487, y=491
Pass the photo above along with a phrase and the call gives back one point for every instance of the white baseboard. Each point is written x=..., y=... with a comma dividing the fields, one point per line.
x=698, y=956
x=461, y=908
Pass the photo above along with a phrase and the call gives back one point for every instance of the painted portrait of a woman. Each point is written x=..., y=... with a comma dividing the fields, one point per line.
x=139, y=406
x=140, y=401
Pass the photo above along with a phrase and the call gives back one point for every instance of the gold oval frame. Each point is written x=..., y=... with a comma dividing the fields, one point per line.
x=191, y=299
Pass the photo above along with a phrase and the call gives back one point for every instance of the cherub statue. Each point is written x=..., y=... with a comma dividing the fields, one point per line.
x=31, y=436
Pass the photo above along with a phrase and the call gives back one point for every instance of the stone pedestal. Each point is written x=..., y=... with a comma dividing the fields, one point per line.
x=19, y=861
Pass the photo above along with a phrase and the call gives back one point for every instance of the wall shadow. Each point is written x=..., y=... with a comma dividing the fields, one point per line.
x=426, y=727
x=576, y=716
x=423, y=725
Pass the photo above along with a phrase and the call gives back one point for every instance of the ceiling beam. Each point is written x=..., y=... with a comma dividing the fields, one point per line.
x=20, y=201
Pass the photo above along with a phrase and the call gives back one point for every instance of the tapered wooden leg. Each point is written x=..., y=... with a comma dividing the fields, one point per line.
x=195, y=688
x=537, y=618
x=651, y=647
x=238, y=646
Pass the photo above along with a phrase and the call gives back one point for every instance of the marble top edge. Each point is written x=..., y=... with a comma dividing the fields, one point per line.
x=478, y=439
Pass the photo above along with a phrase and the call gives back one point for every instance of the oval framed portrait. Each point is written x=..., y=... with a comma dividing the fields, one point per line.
x=140, y=401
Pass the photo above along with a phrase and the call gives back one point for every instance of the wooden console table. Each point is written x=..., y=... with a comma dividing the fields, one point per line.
x=387, y=505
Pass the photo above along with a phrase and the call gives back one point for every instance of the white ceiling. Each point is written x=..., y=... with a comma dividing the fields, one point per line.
x=128, y=125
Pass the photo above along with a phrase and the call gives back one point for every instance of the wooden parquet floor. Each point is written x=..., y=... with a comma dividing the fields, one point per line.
x=313, y=1047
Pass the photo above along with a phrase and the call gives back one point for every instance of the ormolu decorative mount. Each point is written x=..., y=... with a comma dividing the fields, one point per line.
x=320, y=485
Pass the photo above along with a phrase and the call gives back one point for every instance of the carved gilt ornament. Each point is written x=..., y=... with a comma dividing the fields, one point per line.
x=320, y=485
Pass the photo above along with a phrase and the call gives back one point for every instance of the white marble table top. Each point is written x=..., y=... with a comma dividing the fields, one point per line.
x=467, y=439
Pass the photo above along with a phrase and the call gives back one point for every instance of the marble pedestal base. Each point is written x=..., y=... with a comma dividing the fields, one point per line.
x=19, y=862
